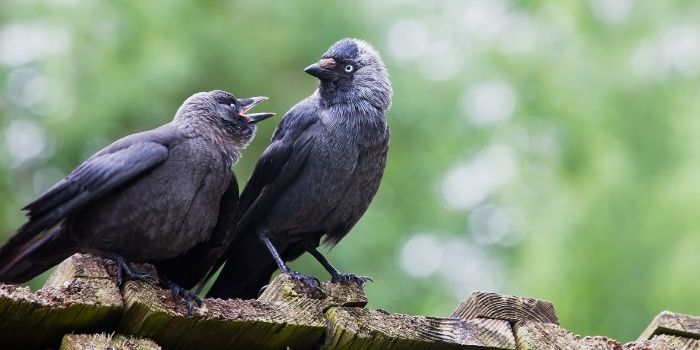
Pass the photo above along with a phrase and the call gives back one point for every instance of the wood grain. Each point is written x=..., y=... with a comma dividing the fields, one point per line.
x=506, y=307
x=361, y=329
x=79, y=297
x=531, y=335
x=286, y=315
x=672, y=323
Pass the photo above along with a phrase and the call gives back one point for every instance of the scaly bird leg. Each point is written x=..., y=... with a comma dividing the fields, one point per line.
x=336, y=276
x=311, y=281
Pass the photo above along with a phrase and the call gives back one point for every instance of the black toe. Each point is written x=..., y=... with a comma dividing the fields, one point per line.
x=186, y=295
x=126, y=272
x=350, y=278
x=310, y=281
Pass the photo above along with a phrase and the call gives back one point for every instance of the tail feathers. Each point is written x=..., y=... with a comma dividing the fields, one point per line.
x=22, y=260
x=248, y=268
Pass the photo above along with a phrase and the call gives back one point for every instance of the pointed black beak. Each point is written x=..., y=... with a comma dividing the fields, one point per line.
x=244, y=105
x=323, y=69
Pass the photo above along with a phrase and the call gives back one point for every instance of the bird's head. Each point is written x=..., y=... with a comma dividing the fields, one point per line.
x=223, y=113
x=352, y=69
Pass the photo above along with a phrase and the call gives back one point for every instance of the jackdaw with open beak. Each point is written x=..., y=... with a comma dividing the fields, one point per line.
x=149, y=197
x=318, y=175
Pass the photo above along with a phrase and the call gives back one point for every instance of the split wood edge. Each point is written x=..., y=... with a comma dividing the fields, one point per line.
x=81, y=296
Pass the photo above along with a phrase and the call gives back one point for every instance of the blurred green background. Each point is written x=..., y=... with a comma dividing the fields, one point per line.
x=539, y=148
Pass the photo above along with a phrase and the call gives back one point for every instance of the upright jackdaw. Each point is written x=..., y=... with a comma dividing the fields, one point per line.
x=318, y=175
x=149, y=197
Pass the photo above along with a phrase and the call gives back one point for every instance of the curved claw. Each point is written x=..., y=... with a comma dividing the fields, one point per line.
x=349, y=277
x=131, y=273
x=186, y=295
x=262, y=289
x=310, y=281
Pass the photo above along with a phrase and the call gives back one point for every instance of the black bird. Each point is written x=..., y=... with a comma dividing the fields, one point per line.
x=318, y=175
x=150, y=197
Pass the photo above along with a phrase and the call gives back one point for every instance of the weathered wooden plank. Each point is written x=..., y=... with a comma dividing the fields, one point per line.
x=358, y=328
x=106, y=341
x=506, y=307
x=664, y=342
x=284, y=289
x=287, y=314
x=80, y=266
x=530, y=335
x=672, y=323
x=80, y=296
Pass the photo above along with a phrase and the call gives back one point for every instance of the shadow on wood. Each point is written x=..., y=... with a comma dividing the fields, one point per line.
x=81, y=297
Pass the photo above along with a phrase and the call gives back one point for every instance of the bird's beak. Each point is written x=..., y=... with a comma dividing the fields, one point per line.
x=323, y=69
x=244, y=105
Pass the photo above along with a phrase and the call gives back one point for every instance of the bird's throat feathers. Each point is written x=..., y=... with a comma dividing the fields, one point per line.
x=227, y=138
x=376, y=90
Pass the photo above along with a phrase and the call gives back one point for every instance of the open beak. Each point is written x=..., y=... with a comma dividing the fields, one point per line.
x=323, y=69
x=247, y=103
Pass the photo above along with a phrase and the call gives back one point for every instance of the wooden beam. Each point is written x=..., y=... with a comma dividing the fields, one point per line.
x=506, y=307
x=79, y=297
x=106, y=341
x=665, y=342
x=286, y=315
x=284, y=289
x=362, y=329
x=672, y=323
x=531, y=335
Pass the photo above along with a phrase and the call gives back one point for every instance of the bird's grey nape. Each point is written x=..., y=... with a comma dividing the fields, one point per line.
x=370, y=82
x=208, y=115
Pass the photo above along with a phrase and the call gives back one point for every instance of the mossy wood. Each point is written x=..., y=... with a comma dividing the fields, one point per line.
x=287, y=314
x=104, y=341
x=81, y=297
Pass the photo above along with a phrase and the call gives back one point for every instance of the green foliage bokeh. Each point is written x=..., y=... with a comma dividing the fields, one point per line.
x=592, y=168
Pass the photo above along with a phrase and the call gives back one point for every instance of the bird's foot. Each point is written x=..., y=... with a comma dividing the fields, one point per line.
x=262, y=290
x=131, y=273
x=310, y=281
x=349, y=277
x=186, y=295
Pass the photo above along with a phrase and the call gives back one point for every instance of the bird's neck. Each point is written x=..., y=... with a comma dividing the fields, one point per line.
x=219, y=136
x=377, y=93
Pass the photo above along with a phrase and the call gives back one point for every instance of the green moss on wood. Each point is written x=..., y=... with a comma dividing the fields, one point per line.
x=106, y=341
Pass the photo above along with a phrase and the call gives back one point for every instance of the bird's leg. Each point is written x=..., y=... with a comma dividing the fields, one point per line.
x=336, y=276
x=311, y=281
x=124, y=269
x=180, y=292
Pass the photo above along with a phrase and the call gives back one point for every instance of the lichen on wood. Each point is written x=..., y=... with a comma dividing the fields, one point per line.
x=287, y=314
x=81, y=296
x=73, y=299
x=104, y=341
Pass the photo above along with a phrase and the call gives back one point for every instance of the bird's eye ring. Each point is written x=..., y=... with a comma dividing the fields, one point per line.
x=349, y=68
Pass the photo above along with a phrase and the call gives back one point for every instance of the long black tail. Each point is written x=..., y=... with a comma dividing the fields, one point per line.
x=248, y=268
x=24, y=259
